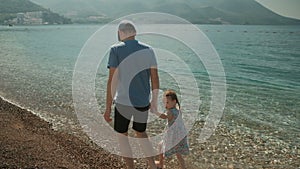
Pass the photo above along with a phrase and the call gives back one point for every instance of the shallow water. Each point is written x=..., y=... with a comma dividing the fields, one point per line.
x=261, y=64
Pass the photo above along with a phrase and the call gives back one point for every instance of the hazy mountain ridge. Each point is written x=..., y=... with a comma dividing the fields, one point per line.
x=27, y=12
x=196, y=11
x=15, y=6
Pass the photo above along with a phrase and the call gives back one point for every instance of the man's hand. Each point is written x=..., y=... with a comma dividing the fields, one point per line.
x=153, y=108
x=106, y=115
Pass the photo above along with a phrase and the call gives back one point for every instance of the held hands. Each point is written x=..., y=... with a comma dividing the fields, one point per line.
x=153, y=109
x=163, y=116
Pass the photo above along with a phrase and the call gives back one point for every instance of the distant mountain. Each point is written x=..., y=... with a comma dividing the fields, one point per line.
x=196, y=11
x=27, y=12
x=15, y=6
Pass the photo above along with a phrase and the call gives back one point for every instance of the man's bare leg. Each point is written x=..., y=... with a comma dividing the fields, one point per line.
x=160, y=163
x=125, y=149
x=147, y=148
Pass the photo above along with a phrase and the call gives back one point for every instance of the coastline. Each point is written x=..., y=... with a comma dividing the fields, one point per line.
x=27, y=141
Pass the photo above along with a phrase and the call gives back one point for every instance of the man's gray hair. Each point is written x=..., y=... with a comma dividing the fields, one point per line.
x=127, y=26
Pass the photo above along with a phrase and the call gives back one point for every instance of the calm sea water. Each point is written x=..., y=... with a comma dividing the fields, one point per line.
x=261, y=65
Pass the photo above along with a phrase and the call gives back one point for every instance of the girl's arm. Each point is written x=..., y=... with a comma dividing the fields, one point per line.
x=161, y=115
x=170, y=115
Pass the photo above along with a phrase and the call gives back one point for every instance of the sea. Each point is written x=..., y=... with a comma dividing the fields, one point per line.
x=261, y=66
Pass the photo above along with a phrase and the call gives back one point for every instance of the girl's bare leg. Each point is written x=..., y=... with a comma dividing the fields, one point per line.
x=181, y=161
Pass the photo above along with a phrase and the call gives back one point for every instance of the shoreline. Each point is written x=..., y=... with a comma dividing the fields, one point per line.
x=28, y=141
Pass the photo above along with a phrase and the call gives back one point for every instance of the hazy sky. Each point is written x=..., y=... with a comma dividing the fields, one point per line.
x=290, y=8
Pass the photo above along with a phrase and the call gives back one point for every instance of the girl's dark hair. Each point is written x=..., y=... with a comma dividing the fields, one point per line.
x=172, y=95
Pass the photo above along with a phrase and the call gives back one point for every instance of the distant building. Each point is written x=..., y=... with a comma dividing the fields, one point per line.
x=29, y=18
x=20, y=18
x=37, y=18
x=33, y=18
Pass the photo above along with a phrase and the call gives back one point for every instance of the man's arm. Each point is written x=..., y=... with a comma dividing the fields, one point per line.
x=110, y=92
x=155, y=89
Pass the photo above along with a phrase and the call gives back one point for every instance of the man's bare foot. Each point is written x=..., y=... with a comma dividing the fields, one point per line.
x=157, y=163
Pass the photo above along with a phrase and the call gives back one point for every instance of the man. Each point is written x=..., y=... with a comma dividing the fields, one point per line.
x=132, y=65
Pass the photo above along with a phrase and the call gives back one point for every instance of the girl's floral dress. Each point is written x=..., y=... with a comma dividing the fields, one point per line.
x=175, y=138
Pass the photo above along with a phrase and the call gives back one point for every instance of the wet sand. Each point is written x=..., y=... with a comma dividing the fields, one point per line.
x=27, y=141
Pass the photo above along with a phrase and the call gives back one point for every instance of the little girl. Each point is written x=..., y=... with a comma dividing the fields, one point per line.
x=175, y=140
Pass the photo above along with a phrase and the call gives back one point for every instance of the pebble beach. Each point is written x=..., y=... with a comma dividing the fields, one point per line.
x=27, y=141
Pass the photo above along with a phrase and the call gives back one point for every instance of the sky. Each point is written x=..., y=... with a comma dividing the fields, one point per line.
x=289, y=8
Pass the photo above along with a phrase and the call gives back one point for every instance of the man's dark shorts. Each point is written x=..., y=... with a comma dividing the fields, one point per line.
x=123, y=115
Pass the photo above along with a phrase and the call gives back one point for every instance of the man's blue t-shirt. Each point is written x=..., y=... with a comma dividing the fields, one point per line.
x=133, y=61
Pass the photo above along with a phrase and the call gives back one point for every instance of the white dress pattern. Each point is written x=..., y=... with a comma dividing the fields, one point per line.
x=175, y=137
